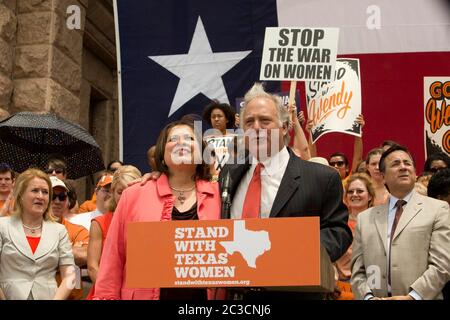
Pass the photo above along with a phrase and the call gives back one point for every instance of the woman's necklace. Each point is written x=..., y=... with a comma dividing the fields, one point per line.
x=32, y=229
x=181, y=197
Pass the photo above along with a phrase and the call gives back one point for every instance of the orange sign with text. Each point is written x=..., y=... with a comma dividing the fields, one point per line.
x=224, y=253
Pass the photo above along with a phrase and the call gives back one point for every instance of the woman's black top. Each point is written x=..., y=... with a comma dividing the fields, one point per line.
x=183, y=293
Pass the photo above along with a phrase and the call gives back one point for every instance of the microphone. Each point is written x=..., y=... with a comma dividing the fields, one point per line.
x=226, y=197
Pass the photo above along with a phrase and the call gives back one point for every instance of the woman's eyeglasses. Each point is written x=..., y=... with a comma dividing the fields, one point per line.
x=60, y=196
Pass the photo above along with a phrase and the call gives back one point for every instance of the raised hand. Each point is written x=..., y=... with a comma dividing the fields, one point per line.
x=360, y=120
x=301, y=118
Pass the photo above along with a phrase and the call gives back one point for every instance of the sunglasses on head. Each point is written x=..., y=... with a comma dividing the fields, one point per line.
x=60, y=196
x=57, y=171
x=339, y=163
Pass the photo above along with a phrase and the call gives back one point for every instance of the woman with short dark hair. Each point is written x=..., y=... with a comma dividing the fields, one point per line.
x=182, y=192
x=220, y=116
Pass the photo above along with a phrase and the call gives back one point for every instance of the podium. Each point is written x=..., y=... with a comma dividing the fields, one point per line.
x=280, y=254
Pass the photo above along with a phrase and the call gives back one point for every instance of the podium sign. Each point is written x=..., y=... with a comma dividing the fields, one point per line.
x=281, y=252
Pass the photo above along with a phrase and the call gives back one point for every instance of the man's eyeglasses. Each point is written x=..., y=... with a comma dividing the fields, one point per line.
x=57, y=171
x=60, y=196
x=338, y=164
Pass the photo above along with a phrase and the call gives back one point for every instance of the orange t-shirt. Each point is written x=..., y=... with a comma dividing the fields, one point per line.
x=76, y=234
x=88, y=206
x=11, y=206
x=104, y=221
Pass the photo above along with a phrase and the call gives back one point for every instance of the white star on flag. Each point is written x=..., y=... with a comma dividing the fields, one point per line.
x=200, y=70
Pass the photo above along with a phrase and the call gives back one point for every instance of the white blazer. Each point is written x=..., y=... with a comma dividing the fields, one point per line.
x=23, y=273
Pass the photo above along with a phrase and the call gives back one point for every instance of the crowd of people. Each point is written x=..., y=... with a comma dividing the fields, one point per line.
x=386, y=230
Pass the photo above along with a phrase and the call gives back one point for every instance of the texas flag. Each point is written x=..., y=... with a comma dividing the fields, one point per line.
x=175, y=56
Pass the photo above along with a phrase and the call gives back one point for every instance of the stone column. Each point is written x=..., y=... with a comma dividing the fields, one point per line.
x=8, y=26
x=47, y=65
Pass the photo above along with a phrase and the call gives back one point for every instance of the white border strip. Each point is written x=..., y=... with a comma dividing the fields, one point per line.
x=119, y=79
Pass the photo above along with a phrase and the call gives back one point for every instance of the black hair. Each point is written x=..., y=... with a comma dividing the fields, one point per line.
x=202, y=169
x=4, y=168
x=382, y=165
x=389, y=143
x=435, y=157
x=339, y=154
x=439, y=184
x=57, y=162
x=228, y=110
x=71, y=193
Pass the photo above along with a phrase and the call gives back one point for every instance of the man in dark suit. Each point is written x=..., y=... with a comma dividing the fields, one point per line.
x=289, y=186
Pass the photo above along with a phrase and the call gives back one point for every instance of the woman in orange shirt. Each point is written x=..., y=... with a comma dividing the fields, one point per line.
x=100, y=225
x=359, y=196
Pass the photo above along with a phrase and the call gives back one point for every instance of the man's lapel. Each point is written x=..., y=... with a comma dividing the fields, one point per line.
x=412, y=208
x=381, y=217
x=289, y=184
x=237, y=171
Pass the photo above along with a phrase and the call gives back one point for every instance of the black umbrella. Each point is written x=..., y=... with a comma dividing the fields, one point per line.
x=30, y=139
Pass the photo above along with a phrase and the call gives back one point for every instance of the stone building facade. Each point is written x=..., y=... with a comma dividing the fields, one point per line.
x=47, y=64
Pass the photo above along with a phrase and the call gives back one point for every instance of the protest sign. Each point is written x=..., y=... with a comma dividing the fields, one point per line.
x=224, y=253
x=334, y=106
x=299, y=54
x=223, y=147
x=437, y=114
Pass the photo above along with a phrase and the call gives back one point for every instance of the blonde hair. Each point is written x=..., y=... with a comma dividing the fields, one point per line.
x=364, y=178
x=21, y=185
x=122, y=176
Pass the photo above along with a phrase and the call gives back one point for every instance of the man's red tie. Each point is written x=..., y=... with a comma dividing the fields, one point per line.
x=252, y=202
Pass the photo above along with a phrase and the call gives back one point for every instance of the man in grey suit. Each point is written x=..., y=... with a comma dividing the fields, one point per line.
x=401, y=250
x=289, y=186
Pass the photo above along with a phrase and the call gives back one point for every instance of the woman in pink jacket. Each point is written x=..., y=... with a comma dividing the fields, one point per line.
x=182, y=192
